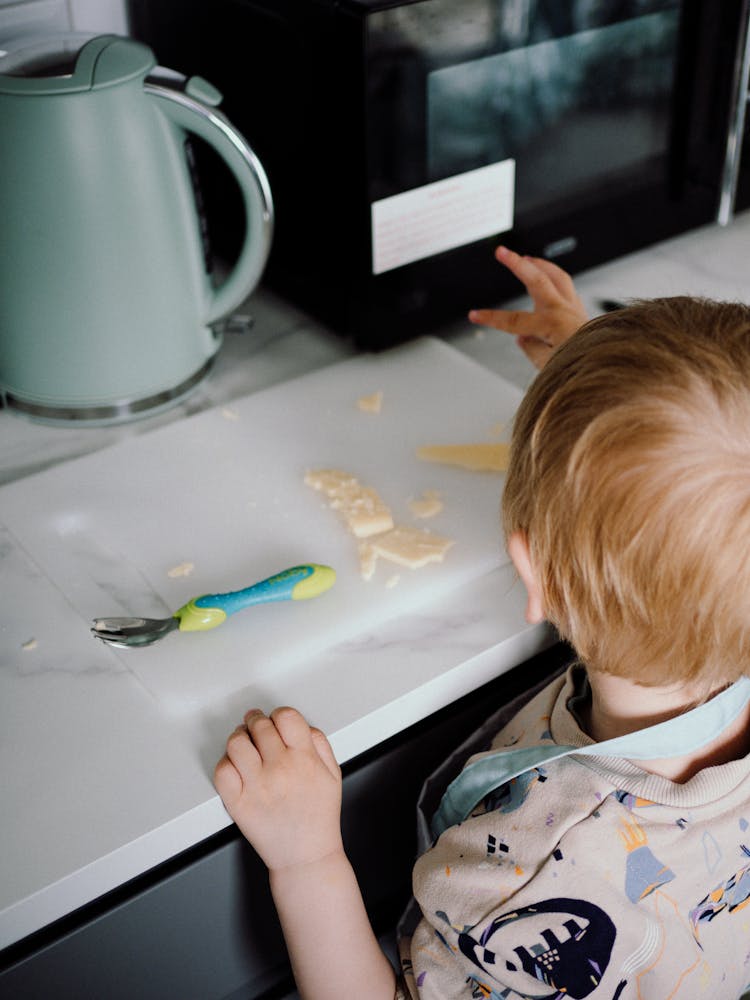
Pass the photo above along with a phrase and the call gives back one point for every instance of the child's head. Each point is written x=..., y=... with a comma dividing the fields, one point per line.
x=629, y=478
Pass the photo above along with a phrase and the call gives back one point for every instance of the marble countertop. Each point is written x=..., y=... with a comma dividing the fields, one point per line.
x=98, y=785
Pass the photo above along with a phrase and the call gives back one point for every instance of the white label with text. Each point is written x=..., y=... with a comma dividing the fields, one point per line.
x=440, y=216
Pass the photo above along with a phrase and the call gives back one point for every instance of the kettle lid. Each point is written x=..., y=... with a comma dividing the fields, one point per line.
x=70, y=63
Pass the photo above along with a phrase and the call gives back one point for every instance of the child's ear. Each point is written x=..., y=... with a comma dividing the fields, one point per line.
x=518, y=550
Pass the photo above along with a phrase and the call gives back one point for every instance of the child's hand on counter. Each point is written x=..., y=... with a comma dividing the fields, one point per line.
x=280, y=783
x=558, y=311
x=282, y=786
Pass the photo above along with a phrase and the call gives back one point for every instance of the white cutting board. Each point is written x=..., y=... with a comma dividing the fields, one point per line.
x=224, y=491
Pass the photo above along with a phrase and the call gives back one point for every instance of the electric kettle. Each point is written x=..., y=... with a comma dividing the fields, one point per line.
x=107, y=304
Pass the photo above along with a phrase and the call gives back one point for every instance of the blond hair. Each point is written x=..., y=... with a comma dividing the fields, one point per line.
x=630, y=477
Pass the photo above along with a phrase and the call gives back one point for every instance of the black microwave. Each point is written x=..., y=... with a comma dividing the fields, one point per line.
x=404, y=140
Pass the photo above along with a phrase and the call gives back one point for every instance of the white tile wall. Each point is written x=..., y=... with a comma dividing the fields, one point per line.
x=99, y=15
x=33, y=18
x=19, y=18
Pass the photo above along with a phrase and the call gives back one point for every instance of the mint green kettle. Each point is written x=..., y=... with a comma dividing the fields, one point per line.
x=107, y=310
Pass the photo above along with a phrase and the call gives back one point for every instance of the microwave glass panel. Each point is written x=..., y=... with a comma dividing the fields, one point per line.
x=578, y=94
x=440, y=27
x=602, y=95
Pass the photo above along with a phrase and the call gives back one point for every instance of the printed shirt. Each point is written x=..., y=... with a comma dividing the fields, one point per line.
x=587, y=877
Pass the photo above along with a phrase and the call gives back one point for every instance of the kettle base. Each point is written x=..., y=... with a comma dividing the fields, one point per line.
x=102, y=414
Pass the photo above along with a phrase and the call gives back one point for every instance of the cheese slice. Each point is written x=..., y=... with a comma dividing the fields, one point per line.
x=361, y=506
x=483, y=457
x=329, y=481
x=370, y=520
x=411, y=547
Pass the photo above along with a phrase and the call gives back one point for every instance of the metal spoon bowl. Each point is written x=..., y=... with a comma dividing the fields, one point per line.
x=126, y=632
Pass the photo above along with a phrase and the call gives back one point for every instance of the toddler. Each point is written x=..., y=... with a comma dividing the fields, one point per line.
x=598, y=844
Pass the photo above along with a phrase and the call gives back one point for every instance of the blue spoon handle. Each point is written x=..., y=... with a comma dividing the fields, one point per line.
x=296, y=584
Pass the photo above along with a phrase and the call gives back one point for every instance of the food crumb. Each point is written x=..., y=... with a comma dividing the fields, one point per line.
x=184, y=569
x=370, y=521
x=229, y=414
x=392, y=581
x=368, y=560
x=428, y=505
x=29, y=644
x=372, y=403
x=411, y=547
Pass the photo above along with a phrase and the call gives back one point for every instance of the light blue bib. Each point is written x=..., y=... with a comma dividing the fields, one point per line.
x=684, y=734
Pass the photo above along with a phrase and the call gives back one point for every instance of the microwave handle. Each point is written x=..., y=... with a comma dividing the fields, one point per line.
x=195, y=114
x=740, y=103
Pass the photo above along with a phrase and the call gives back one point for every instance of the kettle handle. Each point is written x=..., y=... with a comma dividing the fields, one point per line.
x=211, y=125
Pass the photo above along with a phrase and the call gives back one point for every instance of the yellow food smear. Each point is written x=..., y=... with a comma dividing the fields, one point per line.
x=484, y=457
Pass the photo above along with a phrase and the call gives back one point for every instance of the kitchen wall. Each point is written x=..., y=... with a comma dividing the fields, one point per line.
x=40, y=17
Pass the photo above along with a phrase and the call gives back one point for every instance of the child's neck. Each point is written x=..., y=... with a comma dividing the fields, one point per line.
x=619, y=706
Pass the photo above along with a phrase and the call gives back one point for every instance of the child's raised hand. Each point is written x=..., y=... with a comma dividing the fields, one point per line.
x=280, y=783
x=558, y=311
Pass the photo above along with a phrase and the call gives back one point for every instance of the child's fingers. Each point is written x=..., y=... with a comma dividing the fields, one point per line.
x=559, y=277
x=263, y=733
x=536, y=280
x=298, y=734
x=325, y=751
x=241, y=751
x=518, y=322
x=292, y=727
x=227, y=781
